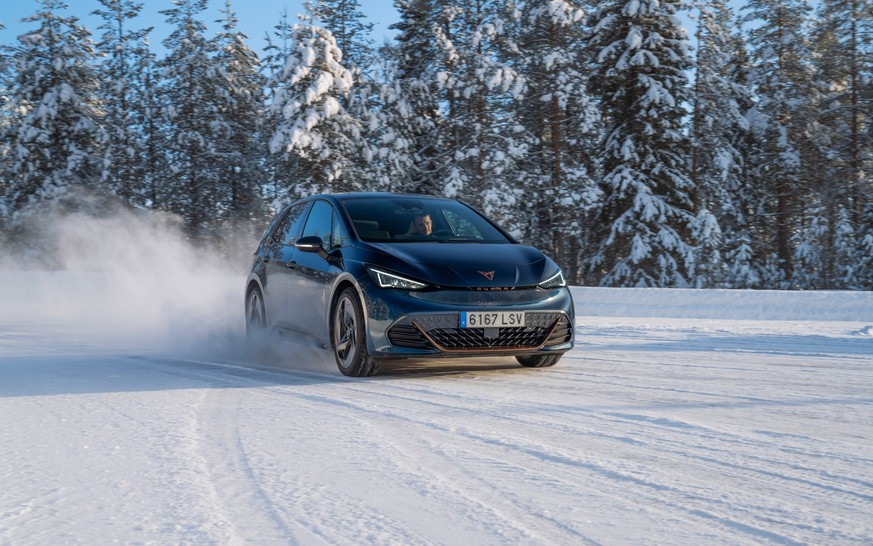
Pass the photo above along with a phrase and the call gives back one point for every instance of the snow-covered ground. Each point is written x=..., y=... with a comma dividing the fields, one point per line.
x=133, y=413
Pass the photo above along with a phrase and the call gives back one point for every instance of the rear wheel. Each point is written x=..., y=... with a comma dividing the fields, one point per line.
x=539, y=361
x=256, y=316
x=348, y=337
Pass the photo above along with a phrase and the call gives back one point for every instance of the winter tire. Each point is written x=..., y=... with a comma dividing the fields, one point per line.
x=256, y=316
x=539, y=361
x=348, y=339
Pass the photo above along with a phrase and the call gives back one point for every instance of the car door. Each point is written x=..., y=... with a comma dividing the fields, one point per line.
x=313, y=273
x=277, y=261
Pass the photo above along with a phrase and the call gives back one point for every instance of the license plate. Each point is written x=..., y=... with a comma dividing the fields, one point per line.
x=492, y=319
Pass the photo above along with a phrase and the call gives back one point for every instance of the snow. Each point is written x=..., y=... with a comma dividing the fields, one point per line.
x=131, y=411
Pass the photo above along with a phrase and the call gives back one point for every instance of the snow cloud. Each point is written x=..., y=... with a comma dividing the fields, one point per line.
x=114, y=275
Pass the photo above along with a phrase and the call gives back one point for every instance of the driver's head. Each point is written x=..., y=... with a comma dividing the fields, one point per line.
x=423, y=224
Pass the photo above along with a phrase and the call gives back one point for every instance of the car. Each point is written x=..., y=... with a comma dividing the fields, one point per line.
x=379, y=276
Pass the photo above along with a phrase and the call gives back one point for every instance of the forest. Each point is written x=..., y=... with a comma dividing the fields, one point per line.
x=634, y=148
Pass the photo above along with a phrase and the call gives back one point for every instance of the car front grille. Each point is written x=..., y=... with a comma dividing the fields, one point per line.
x=443, y=332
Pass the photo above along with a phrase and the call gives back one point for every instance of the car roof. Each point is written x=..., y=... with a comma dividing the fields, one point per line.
x=335, y=198
x=365, y=194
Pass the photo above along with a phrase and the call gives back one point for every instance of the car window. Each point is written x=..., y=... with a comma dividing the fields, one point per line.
x=319, y=222
x=291, y=225
x=393, y=219
x=339, y=235
x=461, y=226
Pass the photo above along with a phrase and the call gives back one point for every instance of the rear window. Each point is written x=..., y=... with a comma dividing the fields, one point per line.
x=410, y=219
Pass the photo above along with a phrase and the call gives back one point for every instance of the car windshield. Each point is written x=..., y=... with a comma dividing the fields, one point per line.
x=410, y=219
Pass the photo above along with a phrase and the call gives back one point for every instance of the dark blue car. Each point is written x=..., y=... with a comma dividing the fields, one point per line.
x=379, y=276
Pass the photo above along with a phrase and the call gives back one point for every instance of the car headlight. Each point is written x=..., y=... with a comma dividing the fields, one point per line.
x=391, y=280
x=555, y=281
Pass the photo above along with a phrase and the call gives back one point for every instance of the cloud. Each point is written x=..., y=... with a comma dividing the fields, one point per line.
x=129, y=280
x=109, y=273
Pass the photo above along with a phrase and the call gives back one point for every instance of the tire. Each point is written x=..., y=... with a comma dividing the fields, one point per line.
x=348, y=339
x=256, y=315
x=539, y=361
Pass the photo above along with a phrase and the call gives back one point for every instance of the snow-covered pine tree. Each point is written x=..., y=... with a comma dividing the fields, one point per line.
x=864, y=235
x=563, y=125
x=809, y=243
x=240, y=103
x=843, y=45
x=843, y=40
x=407, y=148
x=480, y=92
x=5, y=136
x=718, y=124
x=150, y=122
x=315, y=135
x=56, y=118
x=280, y=171
x=121, y=87
x=781, y=79
x=744, y=254
x=191, y=186
x=845, y=244
x=346, y=22
x=642, y=55
x=391, y=133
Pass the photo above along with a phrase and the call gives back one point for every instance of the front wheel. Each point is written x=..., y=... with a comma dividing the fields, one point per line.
x=539, y=361
x=348, y=337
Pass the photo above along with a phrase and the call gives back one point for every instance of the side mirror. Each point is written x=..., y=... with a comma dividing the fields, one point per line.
x=311, y=244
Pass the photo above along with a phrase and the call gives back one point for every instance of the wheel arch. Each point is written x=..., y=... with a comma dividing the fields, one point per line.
x=346, y=280
x=253, y=282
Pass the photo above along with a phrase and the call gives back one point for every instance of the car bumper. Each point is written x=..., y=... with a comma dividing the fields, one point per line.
x=404, y=324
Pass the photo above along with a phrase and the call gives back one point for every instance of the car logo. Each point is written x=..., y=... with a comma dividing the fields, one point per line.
x=487, y=274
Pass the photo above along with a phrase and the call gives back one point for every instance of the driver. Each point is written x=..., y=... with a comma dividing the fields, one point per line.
x=423, y=224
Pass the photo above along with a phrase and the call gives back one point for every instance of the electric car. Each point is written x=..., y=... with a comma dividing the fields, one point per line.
x=378, y=276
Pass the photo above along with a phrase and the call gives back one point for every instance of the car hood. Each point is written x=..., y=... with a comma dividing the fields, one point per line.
x=469, y=264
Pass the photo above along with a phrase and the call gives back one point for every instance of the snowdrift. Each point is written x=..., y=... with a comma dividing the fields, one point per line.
x=724, y=304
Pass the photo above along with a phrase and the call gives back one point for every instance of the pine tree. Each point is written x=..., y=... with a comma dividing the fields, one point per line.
x=240, y=105
x=121, y=95
x=280, y=170
x=718, y=124
x=846, y=260
x=781, y=76
x=316, y=135
x=189, y=101
x=391, y=134
x=864, y=236
x=809, y=242
x=346, y=23
x=563, y=123
x=642, y=56
x=149, y=119
x=409, y=146
x=480, y=91
x=844, y=44
x=53, y=132
x=5, y=136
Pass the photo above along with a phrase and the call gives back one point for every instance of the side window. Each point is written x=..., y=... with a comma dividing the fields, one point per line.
x=339, y=236
x=287, y=233
x=319, y=222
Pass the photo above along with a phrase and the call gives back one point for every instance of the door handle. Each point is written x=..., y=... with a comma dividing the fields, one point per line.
x=292, y=265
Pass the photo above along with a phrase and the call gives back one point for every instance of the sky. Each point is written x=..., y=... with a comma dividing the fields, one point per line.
x=256, y=17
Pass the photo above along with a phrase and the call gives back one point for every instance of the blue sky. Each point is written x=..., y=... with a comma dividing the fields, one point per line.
x=256, y=17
